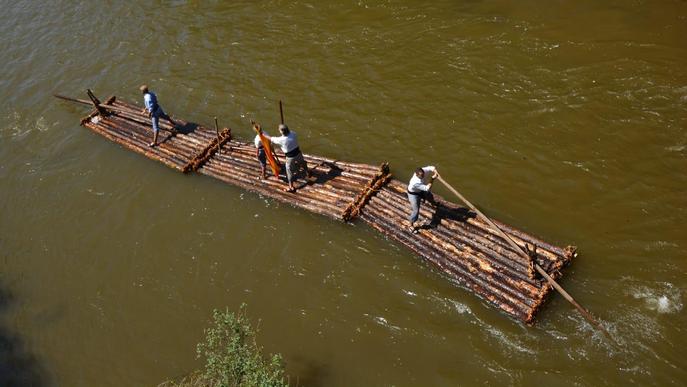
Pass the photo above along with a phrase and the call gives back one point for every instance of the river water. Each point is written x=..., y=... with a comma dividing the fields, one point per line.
x=564, y=119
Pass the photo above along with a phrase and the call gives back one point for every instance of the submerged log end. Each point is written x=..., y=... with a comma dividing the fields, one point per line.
x=570, y=253
x=540, y=300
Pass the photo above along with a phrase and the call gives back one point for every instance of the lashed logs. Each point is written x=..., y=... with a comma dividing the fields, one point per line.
x=378, y=181
x=206, y=153
x=467, y=249
x=240, y=167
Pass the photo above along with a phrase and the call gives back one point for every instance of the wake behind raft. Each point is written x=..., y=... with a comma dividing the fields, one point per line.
x=462, y=245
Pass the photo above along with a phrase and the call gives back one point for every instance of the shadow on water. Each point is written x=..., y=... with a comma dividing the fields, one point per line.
x=311, y=373
x=17, y=367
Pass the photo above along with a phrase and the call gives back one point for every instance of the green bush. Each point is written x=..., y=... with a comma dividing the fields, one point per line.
x=233, y=357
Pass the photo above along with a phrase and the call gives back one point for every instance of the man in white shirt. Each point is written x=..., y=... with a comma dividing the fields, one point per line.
x=295, y=163
x=418, y=190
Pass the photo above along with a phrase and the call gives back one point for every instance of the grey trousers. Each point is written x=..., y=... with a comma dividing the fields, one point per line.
x=296, y=167
x=414, y=207
x=415, y=201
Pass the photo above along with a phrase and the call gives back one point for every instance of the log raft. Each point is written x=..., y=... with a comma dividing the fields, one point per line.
x=454, y=239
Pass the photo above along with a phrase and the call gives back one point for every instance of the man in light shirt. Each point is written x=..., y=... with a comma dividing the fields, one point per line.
x=295, y=163
x=154, y=111
x=419, y=189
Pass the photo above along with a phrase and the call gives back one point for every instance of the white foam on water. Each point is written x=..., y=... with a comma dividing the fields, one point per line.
x=460, y=308
x=666, y=300
x=659, y=245
x=676, y=148
x=385, y=323
x=577, y=165
x=664, y=305
x=510, y=342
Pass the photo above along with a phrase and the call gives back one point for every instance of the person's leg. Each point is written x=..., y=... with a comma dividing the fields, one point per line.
x=262, y=158
x=156, y=121
x=305, y=166
x=302, y=167
x=166, y=117
x=414, y=209
x=289, y=172
x=427, y=196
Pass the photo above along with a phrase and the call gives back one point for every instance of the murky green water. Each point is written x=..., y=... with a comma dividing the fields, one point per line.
x=567, y=120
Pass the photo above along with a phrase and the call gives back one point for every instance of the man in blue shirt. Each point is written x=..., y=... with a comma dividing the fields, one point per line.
x=154, y=111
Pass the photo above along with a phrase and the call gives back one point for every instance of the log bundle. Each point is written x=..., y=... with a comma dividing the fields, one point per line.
x=469, y=251
x=465, y=248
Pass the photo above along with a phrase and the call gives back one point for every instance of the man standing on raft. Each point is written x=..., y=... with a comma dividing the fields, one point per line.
x=154, y=111
x=418, y=190
x=295, y=163
x=260, y=151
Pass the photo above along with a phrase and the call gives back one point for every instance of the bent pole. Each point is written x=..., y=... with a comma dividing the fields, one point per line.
x=541, y=271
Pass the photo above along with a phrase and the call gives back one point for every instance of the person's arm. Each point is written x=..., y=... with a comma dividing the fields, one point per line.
x=418, y=186
x=147, y=101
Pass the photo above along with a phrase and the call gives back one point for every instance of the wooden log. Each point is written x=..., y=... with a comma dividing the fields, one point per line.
x=519, y=237
x=458, y=274
x=140, y=144
x=483, y=230
x=140, y=140
x=168, y=142
x=144, y=121
x=539, y=269
x=276, y=188
x=126, y=142
x=300, y=200
x=479, y=262
x=208, y=151
x=493, y=258
x=375, y=184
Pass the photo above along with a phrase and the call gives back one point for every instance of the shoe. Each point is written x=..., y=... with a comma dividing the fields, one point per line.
x=152, y=144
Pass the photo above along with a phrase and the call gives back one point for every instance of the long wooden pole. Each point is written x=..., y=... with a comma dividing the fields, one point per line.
x=541, y=271
x=85, y=102
x=219, y=143
x=281, y=115
x=281, y=112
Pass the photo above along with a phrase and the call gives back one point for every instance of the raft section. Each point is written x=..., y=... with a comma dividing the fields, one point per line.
x=466, y=249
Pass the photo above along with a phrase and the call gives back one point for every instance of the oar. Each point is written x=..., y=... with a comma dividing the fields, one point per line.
x=541, y=271
x=86, y=102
